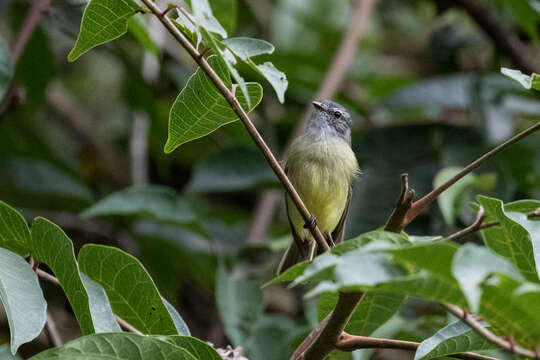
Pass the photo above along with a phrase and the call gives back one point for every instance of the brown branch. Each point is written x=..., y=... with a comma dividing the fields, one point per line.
x=344, y=57
x=52, y=331
x=30, y=22
x=403, y=205
x=52, y=279
x=503, y=38
x=347, y=342
x=487, y=334
x=421, y=204
x=322, y=340
x=475, y=226
x=237, y=108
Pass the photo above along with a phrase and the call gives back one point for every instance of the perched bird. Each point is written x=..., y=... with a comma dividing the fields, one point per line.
x=321, y=165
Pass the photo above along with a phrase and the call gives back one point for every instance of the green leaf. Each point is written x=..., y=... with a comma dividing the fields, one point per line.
x=150, y=201
x=22, y=298
x=276, y=78
x=121, y=346
x=139, y=31
x=290, y=274
x=226, y=13
x=179, y=323
x=522, y=206
x=102, y=316
x=200, y=108
x=205, y=18
x=373, y=311
x=5, y=353
x=6, y=67
x=132, y=293
x=240, y=304
x=103, y=21
x=450, y=200
x=14, y=232
x=232, y=169
x=379, y=236
x=454, y=338
x=528, y=82
x=512, y=240
x=50, y=245
x=186, y=24
x=472, y=264
x=245, y=47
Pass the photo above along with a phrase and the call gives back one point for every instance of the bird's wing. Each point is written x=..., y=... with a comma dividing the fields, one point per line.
x=339, y=231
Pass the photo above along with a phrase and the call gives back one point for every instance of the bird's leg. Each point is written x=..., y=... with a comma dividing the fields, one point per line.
x=329, y=239
x=311, y=223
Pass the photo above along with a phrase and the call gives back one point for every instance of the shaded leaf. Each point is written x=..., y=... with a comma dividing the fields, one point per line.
x=245, y=47
x=450, y=200
x=200, y=108
x=14, y=232
x=472, y=264
x=50, y=245
x=290, y=274
x=276, y=78
x=103, y=318
x=132, y=293
x=139, y=31
x=5, y=353
x=6, y=67
x=452, y=339
x=150, y=201
x=240, y=304
x=103, y=21
x=122, y=346
x=527, y=81
x=22, y=298
x=179, y=323
x=232, y=169
x=511, y=240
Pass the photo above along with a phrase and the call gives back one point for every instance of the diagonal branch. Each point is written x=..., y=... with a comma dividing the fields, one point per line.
x=30, y=22
x=344, y=57
x=347, y=342
x=235, y=105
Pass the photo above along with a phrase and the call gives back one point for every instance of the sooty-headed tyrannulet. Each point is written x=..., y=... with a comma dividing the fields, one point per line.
x=321, y=166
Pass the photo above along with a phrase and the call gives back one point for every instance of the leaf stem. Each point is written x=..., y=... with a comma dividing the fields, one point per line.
x=235, y=105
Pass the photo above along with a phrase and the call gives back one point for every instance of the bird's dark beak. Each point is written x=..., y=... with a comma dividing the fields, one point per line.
x=318, y=105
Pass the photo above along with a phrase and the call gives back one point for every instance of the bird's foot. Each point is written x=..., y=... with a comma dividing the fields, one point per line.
x=311, y=223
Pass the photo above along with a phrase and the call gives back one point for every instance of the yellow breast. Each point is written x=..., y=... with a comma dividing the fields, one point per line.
x=321, y=172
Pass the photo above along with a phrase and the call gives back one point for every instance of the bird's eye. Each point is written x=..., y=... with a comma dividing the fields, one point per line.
x=337, y=114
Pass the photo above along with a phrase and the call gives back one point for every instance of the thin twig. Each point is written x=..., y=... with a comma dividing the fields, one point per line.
x=347, y=342
x=237, y=108
x=30, y=22
x=421, y=204
x=344, y=57
x=46, y=276
x=487, y=334
x=52, y=331
x=475, y=226
x=403, y=205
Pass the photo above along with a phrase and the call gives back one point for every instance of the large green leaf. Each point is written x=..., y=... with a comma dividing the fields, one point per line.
x=155, y=202
x=374, y=310
x=512, y=240
x=103, y=21
x=450, y=200
x=22, y=298
x=204, y=17
x=240, y=304
x=50, y=245
x=454, y=338
x=200, y=108
x=233, y=169
x=472, y=264
x=5, y=353
x=14, y=232
x=6, y=67
x=121, y=346
x=245, y=47
x=132, y=293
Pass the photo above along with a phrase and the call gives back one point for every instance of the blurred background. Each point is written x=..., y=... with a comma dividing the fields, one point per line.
x=82, y=144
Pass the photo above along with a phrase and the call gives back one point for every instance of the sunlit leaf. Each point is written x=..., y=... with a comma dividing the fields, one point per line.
x=527, y=81
x=200, y=108
x=245, y=47
x=276, y=78
x=22, y=298
x=205, y=18
x=103, y=21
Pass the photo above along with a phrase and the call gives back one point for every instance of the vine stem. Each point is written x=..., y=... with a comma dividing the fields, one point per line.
x=235, y=105
x=52, y=279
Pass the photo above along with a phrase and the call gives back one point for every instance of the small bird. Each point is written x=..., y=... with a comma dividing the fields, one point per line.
x=321, y=165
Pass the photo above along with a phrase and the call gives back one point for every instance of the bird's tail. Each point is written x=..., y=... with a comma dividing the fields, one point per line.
x=294, y=255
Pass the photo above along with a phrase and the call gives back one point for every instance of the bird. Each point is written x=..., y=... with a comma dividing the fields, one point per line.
x=321, y=166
